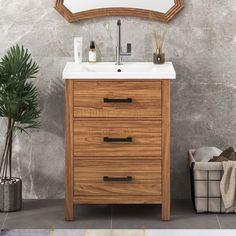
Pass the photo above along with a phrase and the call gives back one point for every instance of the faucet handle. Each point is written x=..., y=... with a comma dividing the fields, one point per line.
x=129, y=47
x=119, y=22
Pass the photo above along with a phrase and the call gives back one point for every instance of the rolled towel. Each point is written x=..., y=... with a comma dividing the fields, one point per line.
x=204, y=154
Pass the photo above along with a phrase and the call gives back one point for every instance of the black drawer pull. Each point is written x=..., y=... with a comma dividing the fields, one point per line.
x=117, y=179
x=118, y=100
x=118, y=140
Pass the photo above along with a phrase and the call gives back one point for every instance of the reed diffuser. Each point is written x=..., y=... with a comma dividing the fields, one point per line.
x=159, y=56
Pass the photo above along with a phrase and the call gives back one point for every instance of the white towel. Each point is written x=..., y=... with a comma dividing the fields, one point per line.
x=228, y=185
x=204, y=154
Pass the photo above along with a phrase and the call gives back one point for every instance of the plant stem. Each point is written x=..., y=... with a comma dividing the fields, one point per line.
x=10, y=148
x=6, y=162
x=4, y=155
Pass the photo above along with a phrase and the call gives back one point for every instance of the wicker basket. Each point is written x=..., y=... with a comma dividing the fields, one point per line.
x=205, y=185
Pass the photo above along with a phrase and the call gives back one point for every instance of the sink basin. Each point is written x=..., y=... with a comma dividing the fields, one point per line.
x=108, y=70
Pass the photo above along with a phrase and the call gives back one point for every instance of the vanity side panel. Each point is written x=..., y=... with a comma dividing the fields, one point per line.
x=69, y=150
x=166, y=149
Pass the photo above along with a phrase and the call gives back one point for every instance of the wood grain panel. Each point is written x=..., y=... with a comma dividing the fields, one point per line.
x=69, y=150
x=166, y=150
x=89, y=99
x=153, y=15
x=101, y=189
x=118, y=199
x=94, y=170
x=89, y=138
x=146, y=177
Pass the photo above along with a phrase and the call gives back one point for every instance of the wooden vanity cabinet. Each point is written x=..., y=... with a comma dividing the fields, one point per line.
x=117, y=137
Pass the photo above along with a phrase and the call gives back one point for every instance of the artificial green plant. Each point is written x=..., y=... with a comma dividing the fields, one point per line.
x=18, y=100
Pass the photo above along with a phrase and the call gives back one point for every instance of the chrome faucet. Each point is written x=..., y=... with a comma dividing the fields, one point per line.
x=119, y=53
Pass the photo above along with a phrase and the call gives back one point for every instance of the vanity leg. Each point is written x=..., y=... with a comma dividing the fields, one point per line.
x=166, y=211
x=166, y=150
x=69, y=211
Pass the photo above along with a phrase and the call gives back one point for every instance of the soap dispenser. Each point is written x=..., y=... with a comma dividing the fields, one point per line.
x=92, y=53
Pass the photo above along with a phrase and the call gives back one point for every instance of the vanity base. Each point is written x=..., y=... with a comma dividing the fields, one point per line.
x=117, y=143
x=69, y=212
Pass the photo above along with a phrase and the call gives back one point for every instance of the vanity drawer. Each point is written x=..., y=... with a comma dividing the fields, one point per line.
x=117, y=177
x=117, y=99
x=111, y=138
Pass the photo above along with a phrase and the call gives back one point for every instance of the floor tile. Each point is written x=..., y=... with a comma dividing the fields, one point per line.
x=44, y=214
x=193, y=232
x=149, y=217
x=100, y=232
x=25, y=232
x=69, y=232
x=227, y=221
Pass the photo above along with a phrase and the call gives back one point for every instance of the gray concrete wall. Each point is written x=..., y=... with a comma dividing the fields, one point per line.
x=201, y=42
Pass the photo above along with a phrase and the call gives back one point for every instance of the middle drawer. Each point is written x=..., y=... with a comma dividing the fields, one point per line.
x=108, y=138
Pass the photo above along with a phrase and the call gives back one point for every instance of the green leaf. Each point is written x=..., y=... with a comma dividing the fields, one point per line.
x=18, y=94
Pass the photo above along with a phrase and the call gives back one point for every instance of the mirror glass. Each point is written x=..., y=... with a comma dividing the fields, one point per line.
x=161, y=6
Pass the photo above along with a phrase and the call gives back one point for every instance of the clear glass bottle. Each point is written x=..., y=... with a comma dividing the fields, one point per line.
x=92, y=53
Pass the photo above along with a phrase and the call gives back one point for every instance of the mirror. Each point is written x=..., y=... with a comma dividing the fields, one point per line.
x=76, y=10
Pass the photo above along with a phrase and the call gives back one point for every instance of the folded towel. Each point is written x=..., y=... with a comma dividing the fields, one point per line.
x=228, y=185
x=219, y=159
x=226, y=155
x=229, y=154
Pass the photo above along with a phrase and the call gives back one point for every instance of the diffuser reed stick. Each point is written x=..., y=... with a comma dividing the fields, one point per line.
x=159, y=40
x=159, y=56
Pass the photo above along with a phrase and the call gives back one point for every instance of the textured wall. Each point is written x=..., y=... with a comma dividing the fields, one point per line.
x=201, y=42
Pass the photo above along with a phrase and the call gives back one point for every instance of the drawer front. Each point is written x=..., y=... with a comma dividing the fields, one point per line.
x=117, y=138
x=117, y=99
x=112, y=177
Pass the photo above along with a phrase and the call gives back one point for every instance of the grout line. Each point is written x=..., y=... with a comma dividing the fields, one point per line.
x=111, y=216
x=4, y=221
x=218, y=220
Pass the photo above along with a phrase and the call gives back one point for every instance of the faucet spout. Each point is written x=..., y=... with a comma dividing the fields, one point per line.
x=119, y=52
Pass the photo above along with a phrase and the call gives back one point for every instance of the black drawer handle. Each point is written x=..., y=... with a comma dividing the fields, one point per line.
x=118, y=100
x=117, y=179
x=118, y=140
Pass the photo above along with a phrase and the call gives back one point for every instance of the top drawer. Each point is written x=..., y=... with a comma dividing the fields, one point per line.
x=117, y=99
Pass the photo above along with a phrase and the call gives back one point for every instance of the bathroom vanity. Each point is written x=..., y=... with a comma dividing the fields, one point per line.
x=117, y=134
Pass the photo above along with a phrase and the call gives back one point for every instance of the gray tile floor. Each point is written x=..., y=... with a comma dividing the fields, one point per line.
x=44, y=214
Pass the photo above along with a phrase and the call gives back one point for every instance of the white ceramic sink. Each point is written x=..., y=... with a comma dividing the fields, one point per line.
x=108, y=70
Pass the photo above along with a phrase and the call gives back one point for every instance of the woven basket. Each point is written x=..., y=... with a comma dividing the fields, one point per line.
x=205, y=185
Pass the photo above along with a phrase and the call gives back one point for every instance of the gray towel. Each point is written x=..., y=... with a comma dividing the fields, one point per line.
x=227, y=155
x=228, y=185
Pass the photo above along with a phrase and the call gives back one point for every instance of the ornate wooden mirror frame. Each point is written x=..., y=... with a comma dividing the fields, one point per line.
x=118, y=11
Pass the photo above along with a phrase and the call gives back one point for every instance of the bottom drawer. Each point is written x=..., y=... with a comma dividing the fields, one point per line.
x=117, y=177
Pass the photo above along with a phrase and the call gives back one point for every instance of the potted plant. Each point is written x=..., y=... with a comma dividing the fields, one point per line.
x=19, y=107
